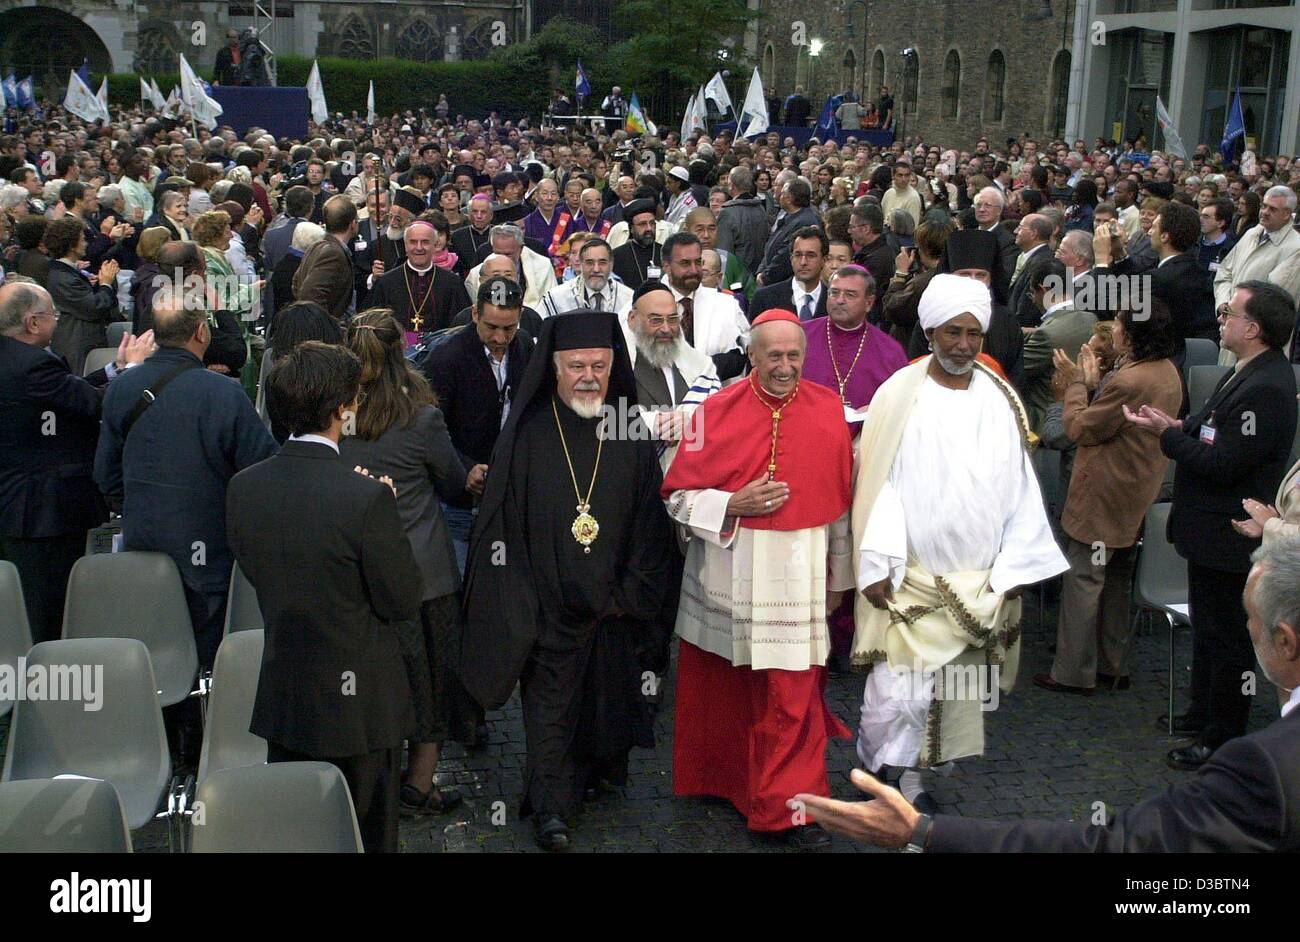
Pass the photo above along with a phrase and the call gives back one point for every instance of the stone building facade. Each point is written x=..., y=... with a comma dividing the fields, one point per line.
x=49, y=37
x=980, y=67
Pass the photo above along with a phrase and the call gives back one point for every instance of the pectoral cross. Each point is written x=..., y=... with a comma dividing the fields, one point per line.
x=416, y=321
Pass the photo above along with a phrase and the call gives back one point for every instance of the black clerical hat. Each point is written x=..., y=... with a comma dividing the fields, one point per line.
x=584, y=330
x=971, y=248
x=409, y=201
x=636, y=208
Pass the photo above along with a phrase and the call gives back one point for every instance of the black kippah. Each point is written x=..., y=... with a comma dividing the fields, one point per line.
x=647, y=287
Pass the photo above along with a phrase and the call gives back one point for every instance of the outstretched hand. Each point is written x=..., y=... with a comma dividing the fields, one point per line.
x=888, y=821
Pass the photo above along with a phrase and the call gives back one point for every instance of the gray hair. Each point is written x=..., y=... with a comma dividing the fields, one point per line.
x=742, y=178
x=1080, y=243
x=17, y=300
x=12, y=195
x=220, y=190
x=507, y=231
x=901, y=221
x=1286, y=193
x=1277, y=591
x=109, y=195
x=52, y=190
x=995, y=193
x=305, y=235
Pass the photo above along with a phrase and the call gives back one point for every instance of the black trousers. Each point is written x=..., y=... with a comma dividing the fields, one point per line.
x=374, y=779
x=208, y=616
x=1221, y=653
x=551, y=689
x=44, y=565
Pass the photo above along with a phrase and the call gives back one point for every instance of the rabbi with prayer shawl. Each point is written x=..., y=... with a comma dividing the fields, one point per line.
x=950, y=529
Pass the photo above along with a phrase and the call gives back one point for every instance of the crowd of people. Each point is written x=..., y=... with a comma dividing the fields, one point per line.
x=478, y=405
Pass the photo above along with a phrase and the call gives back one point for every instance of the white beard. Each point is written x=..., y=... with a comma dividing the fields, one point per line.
x=660, y=355
x=586, y=408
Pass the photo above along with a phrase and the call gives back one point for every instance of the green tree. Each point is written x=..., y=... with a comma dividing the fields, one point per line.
x=673, y=48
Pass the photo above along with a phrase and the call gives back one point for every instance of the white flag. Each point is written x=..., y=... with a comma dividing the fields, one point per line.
x=204, y=108
x=371, y=117
x=754, y=109
x=82, y=102
x=316, y=92
x=102, y=94
x=696, y=112
x=173, y=103
x=1173, y=143
x=145, y=93
x=156, y=96
x=717, y=90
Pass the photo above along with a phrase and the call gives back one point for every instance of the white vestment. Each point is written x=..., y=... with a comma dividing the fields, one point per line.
x=758, y=597
x=961, y=497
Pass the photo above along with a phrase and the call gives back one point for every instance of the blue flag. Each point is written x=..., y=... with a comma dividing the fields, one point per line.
x=580, y=84
x=84, y=71
x=10, y=86
x=26, y=93
x=1235, y=128
x=826, y=124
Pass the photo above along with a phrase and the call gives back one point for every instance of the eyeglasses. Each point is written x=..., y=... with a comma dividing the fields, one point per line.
x=656, y=321
x=1226, y=313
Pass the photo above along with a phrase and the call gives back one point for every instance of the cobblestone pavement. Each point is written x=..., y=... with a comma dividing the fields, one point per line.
x=1048, y=756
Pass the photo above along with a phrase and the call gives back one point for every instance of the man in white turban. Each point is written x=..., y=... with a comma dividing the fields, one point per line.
x=950, y=529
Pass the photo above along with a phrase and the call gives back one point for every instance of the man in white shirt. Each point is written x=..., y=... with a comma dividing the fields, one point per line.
x=712, y=322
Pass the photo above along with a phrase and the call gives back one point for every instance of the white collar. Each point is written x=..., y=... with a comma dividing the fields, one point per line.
x=1054, y=308
x=1165, y=259
x=1292, y=702
x=317, y=440
x=419, y=271
x=798, y=290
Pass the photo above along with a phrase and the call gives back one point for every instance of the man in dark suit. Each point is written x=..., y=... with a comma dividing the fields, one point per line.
x=796, y=199
x=797, y=108
x=333, y=569
x=475, y=373
x=804, y=293
x=279, y=235
x=871, y=250
x=49, y=422
x=422, y=296
x=1178, y=278
x=471, y=243
x=1243, y=800
x=989, y=204
x=325, y=275
x=1033, y=238
x=169, y=461
x=1236, y=447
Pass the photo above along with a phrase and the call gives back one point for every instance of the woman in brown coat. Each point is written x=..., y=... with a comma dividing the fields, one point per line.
x=1117, y=474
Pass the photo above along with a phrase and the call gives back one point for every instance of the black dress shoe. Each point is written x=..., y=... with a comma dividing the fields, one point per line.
x=1189, y=758
x=1115, y=683
x=552, y=833
x=1048, y=683
x=1184, y=725
x=809, y=837
x=412, y=802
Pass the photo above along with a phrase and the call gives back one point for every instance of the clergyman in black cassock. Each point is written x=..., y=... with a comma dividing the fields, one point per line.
x=576, y=625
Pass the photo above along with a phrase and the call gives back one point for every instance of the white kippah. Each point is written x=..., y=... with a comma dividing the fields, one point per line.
x=949, y=296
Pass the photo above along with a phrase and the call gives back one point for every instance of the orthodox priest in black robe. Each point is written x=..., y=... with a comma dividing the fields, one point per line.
x=568, y=566
x=422, y=296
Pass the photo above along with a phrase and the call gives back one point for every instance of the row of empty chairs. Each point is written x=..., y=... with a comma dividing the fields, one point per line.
x=289, y=807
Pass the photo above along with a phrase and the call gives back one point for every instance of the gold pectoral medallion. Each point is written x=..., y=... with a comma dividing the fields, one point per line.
x=585, y=528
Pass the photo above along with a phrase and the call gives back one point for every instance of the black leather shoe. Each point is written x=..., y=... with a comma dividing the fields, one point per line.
x=1113, y=682
x=414, y=803
x=809, y=837
x=1048, y=683
x=1189, y=758
x=1184, y=724
x=552, y=833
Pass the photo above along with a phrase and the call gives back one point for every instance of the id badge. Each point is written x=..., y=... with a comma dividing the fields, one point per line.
x=1214, y=266
x=1207, y=434
x=653, y=273
x=361, y=245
